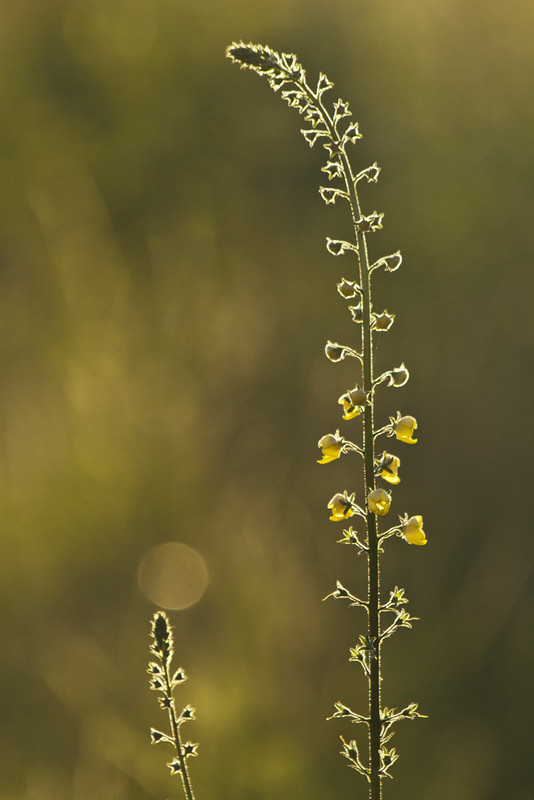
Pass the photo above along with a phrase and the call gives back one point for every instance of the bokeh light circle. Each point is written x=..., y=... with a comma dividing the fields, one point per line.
x=173, y=576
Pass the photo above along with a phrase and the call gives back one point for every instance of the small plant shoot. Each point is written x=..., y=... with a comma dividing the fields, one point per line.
x=163, y=679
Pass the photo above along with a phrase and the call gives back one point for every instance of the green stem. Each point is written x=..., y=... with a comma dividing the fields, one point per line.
x=184, y=774
x=375, y=790
x=373, y=598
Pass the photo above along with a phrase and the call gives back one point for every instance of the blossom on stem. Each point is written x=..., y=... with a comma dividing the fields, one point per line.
x=390, y=263
x=341, y=506
x=379, y=501
x=370, y=174
x=412, y=530
x=398, y=376
x=331, y=445
x=373, y=222
x=342, y=110
x=348, y=289
x=334, y=352
x=388, y=468
x=352, y=134
x=337, y=247
x=333, y=169
x=404, y=428
x=353, y=402
x=330, y=195
x=383, y=321
x=337, y=352
x=356, y=312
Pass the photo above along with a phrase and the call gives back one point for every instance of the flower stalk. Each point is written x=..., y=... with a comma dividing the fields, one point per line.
x=331, y=127
x=163, y=680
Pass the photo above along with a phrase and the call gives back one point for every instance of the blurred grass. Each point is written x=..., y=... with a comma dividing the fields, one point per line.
x=166, y=297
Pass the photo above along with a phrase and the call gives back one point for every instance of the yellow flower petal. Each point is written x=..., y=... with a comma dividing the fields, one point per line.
x=379, y=502
x=353, y=402
x=412, y=531
x=404, y=429
x=349, y=410
x=331, y=445
x=329, y=455
x=341, y=508
x=389, y=468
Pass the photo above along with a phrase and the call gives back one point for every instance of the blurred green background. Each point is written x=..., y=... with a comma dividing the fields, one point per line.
x=166, y=296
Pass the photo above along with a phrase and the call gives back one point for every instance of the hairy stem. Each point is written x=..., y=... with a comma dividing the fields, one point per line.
x=373, y=597
x=372, y=553
x=175, y=728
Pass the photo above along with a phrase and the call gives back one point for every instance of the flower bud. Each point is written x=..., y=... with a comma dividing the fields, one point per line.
x=412, y=530
x=379, y=502
x=162, y=637
x=331, y=445
x=404, y=429
x=353, y=402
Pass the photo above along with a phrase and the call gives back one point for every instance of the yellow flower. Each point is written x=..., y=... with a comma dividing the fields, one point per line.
x=353, y=402
x=331, y=445
x=388, y=468
x=341, y=507
x=412, y=530
x=379, y=502
x=404, y=429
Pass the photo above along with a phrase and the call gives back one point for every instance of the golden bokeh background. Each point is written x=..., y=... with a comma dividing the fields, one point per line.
x=166, y=296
